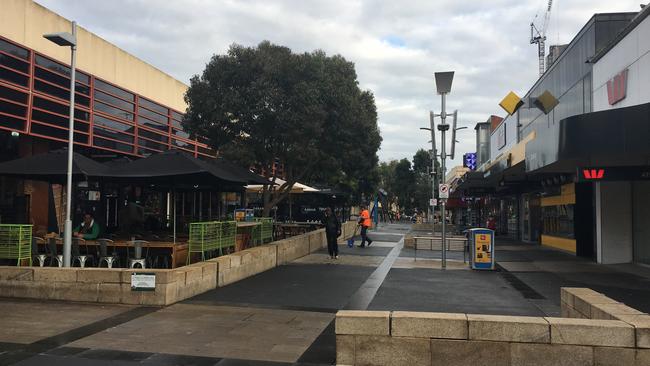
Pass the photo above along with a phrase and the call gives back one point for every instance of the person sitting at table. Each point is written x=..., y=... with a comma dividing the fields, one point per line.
x=88, y=230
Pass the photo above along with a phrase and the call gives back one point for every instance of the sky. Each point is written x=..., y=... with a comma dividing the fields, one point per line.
x=395, y=45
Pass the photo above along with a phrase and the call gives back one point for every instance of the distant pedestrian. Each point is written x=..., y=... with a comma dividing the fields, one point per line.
x=332, y=232
x=365, y=223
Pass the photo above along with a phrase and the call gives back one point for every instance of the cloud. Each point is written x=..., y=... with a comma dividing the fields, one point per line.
x=395, y=45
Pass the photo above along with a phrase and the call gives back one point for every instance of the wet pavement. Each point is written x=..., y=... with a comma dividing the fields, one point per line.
x=285, y=316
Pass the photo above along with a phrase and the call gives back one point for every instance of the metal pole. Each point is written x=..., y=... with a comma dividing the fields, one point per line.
x=433, y=176
x=443, y=155
x=67, y=239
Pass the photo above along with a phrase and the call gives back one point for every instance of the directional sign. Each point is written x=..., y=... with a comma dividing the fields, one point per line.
x=443, y=191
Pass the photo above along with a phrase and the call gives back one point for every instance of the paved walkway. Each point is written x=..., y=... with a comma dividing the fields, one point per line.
x=285, y=316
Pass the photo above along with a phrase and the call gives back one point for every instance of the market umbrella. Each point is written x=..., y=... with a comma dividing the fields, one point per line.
x=52, y=166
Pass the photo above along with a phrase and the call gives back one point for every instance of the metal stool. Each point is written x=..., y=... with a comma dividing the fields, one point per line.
x=53, y=252
x=137, y=255
x=36, y=241
x=76, y=252
x=103, y=253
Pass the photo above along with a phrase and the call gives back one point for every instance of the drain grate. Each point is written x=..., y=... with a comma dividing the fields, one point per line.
x=519, y=285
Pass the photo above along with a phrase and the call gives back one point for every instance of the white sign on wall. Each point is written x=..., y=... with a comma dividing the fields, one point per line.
x=443, y=191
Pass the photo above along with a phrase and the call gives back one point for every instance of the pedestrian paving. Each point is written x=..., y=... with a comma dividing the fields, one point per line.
x=285, y=316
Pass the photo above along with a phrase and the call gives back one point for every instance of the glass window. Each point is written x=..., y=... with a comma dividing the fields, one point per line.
x=180, y=133
x=13, y=109
x=183, y=144
x=113, y=111
x=14, y=77
x=152, y=135
x=62, y=134
x=60, y=121
x=114, y=90
x=206, y=151
x=119, y=126
x=13, y=63
x=12, y=49
x=153, y=116
x=51, y=90
x=151, y=145
x=177, y=116
x=153, y=106
x=113, y=145
x=114, y=101
x=115, y=135
x=61, y=69
x=12, y=122
x=59, y=108
x=153, y=125
x=558, y=221
x=13, y=94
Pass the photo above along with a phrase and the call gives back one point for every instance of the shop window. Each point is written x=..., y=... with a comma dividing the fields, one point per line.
x=114, y=90
x=14, y=63
x=558, y=221
x=14, y=95
x=12, y=49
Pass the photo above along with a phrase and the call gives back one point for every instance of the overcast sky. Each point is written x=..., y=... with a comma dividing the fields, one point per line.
x=396, y=46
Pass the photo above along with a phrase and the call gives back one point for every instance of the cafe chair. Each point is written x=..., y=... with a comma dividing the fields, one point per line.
x=137, y=254
x=36, y=255
x=52, y=251
x=77, y=256
x=103, y=253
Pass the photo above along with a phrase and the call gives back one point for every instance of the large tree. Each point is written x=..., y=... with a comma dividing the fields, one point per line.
x=262, y=105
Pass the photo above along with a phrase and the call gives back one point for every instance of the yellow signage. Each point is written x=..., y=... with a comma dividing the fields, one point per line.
x=483, y=243
x=511, y=103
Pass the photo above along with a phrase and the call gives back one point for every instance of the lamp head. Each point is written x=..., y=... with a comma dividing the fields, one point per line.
x=62, y=38
x=443, y=81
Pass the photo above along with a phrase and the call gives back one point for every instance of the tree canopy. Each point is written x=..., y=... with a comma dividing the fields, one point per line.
x=265, y=104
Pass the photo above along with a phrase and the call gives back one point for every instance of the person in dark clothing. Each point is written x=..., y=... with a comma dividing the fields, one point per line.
x=332, y=232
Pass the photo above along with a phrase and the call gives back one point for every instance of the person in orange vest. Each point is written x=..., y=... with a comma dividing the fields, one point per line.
x=365, y=223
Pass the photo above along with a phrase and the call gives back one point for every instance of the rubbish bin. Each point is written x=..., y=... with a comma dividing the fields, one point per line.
x=481, y=246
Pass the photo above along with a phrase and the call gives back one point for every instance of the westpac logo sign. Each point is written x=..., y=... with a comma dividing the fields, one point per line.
x=617, y=87
x=593, y=173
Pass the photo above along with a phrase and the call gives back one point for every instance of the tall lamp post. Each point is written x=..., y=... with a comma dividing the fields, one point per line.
x=68, y=40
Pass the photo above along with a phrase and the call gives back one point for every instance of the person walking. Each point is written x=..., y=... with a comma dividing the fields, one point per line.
x=365, y=223
x=332, y=232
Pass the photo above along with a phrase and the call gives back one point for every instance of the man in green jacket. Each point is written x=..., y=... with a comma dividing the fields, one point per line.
x=88, y=230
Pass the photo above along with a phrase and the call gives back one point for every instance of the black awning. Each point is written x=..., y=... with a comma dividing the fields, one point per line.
x=176, y=166
x=53, y=166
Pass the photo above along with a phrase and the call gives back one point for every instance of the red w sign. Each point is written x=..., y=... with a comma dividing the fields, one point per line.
x=593, y=173
x=617, y=87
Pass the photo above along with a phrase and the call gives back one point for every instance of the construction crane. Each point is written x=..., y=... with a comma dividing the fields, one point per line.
x=538, y=35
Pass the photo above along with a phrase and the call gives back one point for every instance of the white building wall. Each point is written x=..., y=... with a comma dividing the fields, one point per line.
x=632, y=52
x=510, y=126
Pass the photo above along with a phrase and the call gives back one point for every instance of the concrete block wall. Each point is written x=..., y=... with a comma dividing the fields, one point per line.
x=414, y=338
x=172, y=285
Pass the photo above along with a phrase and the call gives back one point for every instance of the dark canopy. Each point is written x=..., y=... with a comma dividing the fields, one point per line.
x=179, y=165
x=52, y=166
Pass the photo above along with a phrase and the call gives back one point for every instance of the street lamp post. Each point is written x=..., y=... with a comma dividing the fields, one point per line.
x=68, y=40
x=443, y=86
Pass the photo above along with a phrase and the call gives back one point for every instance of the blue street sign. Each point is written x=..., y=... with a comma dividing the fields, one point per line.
x=469, y=161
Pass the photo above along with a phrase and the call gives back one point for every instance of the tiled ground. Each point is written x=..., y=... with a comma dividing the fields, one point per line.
x=216, y=331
